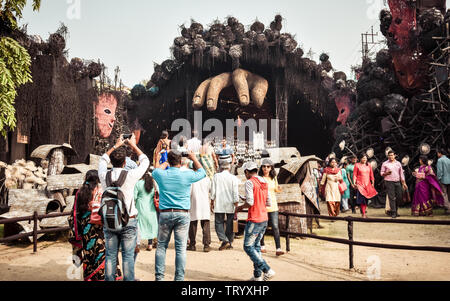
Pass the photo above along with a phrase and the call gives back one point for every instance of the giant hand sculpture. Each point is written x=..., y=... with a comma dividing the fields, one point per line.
x=248, y=86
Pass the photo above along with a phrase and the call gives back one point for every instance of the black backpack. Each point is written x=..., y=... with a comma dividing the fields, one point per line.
x=112, y=207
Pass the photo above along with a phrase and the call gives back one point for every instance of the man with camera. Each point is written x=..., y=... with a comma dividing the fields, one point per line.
x=127, y=236
x=174, y=204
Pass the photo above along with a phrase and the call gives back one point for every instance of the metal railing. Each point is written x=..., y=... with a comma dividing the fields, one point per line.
x=350, y=242
x=35, y=217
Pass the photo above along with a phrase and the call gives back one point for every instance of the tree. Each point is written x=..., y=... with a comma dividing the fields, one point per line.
x=15, y=63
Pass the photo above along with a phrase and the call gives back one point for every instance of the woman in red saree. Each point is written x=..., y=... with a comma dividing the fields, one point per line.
x=428, y=190
x=364, y=182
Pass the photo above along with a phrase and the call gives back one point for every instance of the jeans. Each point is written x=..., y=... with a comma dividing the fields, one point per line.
x=126, y=239
x=273, y=220
x=224, y=234
x=252, y=237
x=178, y=222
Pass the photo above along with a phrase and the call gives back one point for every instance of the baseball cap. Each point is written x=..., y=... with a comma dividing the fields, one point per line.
x=267, y=162
x=250, y=166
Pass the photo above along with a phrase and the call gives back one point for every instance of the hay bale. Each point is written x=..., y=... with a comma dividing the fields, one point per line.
x=377, y=73
x=219, y=41
x=324, y=57
x=235, y=51
x=196, y=28
x=229, y=35
x=376, y=106
x=76, y=65
x=299, y=52
x=238, y=28
x=261, y=41
x=368, y=88
x=270, y=35
x=180, y=41
x=394, y=104
x=168, y=66
x=289, y=45
x=94, y=69
x=138, y=91
x=186, y=50
x=384, y=58
x=385, y=21
x=430, y=19
x=251, y=35
x=199, y=44
x=276, y=25
x=56, y=43
x=214, y=52
x=339, y=76
x=246, y=42
x=326, y=66
x=232, y=21
x=257, y=27
x=185, y=32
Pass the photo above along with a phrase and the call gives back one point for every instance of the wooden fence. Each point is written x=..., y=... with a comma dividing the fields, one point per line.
x=350, y=242
x=35, y=217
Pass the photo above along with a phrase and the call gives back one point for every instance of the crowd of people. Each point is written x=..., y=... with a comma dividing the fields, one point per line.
x=191, y=181
x=352, y=185
x=188, y=182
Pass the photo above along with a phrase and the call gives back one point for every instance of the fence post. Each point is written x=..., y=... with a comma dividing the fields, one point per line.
x=350, y=246
x=35, y=221
x=288, y=242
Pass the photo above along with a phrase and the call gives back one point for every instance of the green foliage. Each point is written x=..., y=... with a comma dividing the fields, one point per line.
x=11, y=10
x=15, y=65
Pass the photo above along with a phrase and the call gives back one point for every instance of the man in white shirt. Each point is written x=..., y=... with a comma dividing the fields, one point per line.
x=128, y=235
x=224, y=198
x=194, y=144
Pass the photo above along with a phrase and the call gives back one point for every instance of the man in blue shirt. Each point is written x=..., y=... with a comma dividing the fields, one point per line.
x=174, y=204
x=443, y=175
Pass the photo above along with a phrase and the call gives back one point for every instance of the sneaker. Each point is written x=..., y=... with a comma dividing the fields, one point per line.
x=224, y=245
x=279, y=252
x=260, y=278
x=263, y=249
x=269, y=275
x=206, y=249
x=191, y=248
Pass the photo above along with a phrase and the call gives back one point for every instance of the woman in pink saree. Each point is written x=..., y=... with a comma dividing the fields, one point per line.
x=428, y=190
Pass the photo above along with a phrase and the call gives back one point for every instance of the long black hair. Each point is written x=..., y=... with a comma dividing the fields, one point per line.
x=148, y=182
x=84, y=195
x=331, y=160
x=424, y=159
x=272, y=173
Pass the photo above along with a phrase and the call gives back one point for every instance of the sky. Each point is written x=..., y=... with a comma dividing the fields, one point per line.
x=134, y=34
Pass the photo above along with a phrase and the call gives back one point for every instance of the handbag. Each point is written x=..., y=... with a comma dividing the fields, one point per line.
x=342, y=187
x=94, y=206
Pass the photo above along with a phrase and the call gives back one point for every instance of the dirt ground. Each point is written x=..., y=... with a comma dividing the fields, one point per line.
x=309, y=259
